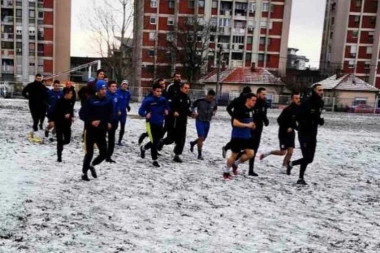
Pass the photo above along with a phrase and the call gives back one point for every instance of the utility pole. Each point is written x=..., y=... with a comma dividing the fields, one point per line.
x=219, y=53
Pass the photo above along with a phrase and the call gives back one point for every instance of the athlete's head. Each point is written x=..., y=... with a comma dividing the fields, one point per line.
x=177, y=78
x=210, y=95
x=157, y=90
x=246, y=89
x=56, y=85
x=250, y=100
x=112, y=86
x=38, y=77
x=100, y=74
x=261, y=93
x=68, y=84
x=296, y=98
x=162, y=83
x=318, y=90
x=185, y=88
x=67, y=94
x=101, y=88
x=124, y=85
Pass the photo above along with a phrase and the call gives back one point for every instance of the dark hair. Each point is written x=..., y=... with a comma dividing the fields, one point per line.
x=293, y=94
x=99, y=70
x=259, y=90
x=183, y=84
x=158, y=81
x=56, y=81
x=111, y=82
x=66, y=91
x=316, y=85
x=156, y=86
x=211, y=92
x=176, y=73
x=38, y=75
x=249, y=96
x=246, y=89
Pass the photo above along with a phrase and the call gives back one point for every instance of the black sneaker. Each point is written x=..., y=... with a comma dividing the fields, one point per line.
x=192, y=144
x=120, y=144
x=159, y=154
x=253, y=174
x=93, y=172
x=224, y=151
x=41, y=127
x=301, y=181
x=142, y=137
x=59, y=159
x=85, y=177
x=177, y=159
x=155, y=164
x=109, y=160
x=142, y=152
x=288, y=168
x=46, y=133
x=200, y=157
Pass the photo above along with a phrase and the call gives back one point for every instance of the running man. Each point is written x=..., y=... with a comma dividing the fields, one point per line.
x=98, y=119
x=113, y=97
x=242, y=124
x=205, y=110
x=308, y=118
x=154, y=108
x=54, y=95
x=124, y=97
x=62, y=117
x=286, y=132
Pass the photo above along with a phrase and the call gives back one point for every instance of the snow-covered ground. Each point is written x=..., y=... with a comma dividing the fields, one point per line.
x=133, y=206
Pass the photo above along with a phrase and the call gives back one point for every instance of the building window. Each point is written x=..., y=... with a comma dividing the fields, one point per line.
x=262, y=40
x=40, y=14
x=170, y=37
x=265, y=6
x=191, y=4
x=32, y=14
x=370, y=36
x=351, y=64
x=353, y=50
x=152, y=36
x=153, y=3
x=355, y=34
x=153, y=20
x=201, y=3
x=249, y=40
x=372, y=20
x=357, y=19
x=332, y=20
x=214, y=4
x=151, y=53
x=238, y=39
x=366, y=65
x=18, y=13
x=358, y=3
x=261, y=57
x=248, y=56
x=170, y=21
x=369, y=50
x=171, y=4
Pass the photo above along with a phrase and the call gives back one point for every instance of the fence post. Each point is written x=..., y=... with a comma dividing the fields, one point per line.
x=333, y=105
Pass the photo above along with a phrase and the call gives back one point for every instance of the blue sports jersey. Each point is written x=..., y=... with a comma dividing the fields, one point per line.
x=244, y=115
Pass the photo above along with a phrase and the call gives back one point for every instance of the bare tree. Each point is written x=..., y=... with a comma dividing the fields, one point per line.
x=111, y=25
x=190, y=42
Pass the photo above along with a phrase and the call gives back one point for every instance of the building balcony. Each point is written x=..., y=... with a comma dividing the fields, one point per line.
x=7, y=36
x=7, y=69
x=8, y=19
x=240, y=16
x=7, y=4
x=7, y=53
x=238, y=31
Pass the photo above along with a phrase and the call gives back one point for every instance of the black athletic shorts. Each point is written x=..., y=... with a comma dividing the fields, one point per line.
x=238, y=144
x=286, y=140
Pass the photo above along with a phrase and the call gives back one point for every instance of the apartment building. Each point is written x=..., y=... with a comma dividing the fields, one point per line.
x=243, y=33
x=35, y=38
x=351, y=36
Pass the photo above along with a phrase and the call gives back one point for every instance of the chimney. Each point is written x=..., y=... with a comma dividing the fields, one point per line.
x=253, y=67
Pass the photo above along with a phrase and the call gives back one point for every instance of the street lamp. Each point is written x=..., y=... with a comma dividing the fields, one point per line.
x=219, y=52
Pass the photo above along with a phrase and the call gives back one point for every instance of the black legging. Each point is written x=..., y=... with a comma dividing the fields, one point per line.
x=63, y=138
x=38, y=112
x=308, y=143
x=177, y=134
x=111, y=140
x=156, y=132
x=94, y=136
x=256, y=138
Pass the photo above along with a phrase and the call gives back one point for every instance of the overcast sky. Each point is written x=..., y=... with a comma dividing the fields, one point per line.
x=305, y=29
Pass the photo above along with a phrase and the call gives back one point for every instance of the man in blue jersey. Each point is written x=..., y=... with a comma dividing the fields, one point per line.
x=154, y=108
x=113, y=97
x=54, y=95
x=242, y=124
x=123, y=99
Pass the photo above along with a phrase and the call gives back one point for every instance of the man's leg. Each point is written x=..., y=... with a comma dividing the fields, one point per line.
x=59, y=144
x=111, y=142
x=42, y=115
x=157, y=132
x=35, y=116
x=89, y=152
x=122, y=120
x=180, y=139
x=255, y=145
x=102, y=146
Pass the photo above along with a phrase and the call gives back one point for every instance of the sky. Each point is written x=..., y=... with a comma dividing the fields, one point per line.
x=305, y=29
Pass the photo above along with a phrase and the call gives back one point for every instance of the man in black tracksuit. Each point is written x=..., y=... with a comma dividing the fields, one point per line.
x=62, y=115
x=37, y=94
x=235, y=104
x=98, y=118
x=180, y=110
x=308, y=118
x=260, y=119
x=172, y=91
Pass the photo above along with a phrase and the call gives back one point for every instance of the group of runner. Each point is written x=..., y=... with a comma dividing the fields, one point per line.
x=166, y=110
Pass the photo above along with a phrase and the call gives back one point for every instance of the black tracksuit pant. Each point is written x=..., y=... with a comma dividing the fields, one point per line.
x=308, y=143
x=38, y=112
x=177, y=134
x=63, y=138
x=93, y=136
x=155, y=134
x=256, y=139
x=111, y=140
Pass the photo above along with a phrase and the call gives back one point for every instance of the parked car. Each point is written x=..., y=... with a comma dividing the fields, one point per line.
x=363, y=108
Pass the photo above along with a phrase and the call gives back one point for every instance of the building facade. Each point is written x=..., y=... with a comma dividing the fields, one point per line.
x=296, y=61
x=35, y=38
x=351, y=37
x=241, y=33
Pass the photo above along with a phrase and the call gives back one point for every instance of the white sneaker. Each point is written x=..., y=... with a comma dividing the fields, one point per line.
x=283, y=170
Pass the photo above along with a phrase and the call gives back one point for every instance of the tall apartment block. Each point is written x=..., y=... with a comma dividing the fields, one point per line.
x=248, y=32
x=35, y=38
x=351, y=36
